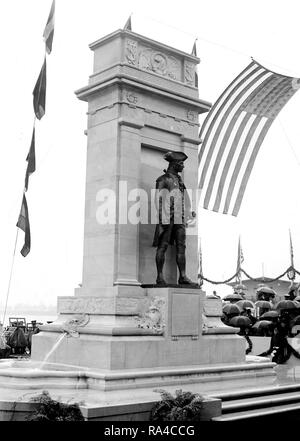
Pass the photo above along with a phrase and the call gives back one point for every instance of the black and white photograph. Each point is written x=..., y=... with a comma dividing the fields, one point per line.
x=150, y=214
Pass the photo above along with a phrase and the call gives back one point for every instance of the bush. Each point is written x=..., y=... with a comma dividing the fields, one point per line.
x=52, y=410
x=184, y=406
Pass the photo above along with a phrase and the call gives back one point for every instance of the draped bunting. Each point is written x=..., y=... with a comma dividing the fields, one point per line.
x=39, y=107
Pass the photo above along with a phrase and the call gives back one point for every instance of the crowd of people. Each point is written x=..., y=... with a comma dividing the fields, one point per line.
x=266, y=318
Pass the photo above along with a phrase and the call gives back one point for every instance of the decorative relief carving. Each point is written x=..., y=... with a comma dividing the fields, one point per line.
x=144, y=59
x=131, y=51
x=159, y=63
x=100, y=305
x=189, y=73
x=131, y=98
x=88, y=305
x=191, y=115
x=70, y=327
x=154, y=316
x=174, y=68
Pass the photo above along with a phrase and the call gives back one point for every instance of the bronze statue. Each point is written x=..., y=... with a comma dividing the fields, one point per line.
x=174, y=210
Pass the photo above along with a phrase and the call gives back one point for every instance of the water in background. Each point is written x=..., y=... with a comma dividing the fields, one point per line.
x=40, y=318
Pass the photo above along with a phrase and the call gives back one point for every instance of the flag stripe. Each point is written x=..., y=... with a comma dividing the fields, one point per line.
x=230, y=109
x=224, y=167
x=239, y=154
x=237, y=103
x=241, y=163
x=233, y=132
x=270, y=80
x=224, y=143
x=216, y=109
x=240, y=79
x=223, y=104
x=222, y=115
x=250, y=165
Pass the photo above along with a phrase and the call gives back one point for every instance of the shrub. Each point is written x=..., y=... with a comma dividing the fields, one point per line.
x=48, y=409
x=184, y=406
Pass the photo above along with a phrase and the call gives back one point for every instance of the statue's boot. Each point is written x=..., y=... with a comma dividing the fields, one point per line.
x=161, y=281
x=184, y=280
x=181, y=263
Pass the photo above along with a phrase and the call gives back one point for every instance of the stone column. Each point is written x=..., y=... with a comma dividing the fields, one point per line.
x=142, y=102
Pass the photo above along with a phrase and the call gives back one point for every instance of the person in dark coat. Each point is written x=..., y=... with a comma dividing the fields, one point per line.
x=248, y=313
x=4, y=348
x=279, y=347
x=18, y=341
x=174, y=210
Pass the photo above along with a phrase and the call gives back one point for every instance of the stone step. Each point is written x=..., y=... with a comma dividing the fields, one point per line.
x=257, y=392
x=286, y=410
x=261, y=401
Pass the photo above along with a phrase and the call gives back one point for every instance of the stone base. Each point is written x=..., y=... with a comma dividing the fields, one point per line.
x=163, y=327
x=129, y=352
x=33, y=375
x=124, y=395
x=115, y=411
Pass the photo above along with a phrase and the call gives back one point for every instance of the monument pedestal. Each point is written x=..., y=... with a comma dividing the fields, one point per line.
x=170, y=337
x=164, y=327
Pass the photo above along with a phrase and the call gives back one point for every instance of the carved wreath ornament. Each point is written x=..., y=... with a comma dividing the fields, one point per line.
x=154, y=316
x=70, y=326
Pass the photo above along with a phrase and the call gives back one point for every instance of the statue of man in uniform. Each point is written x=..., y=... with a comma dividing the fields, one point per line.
x=174, y=210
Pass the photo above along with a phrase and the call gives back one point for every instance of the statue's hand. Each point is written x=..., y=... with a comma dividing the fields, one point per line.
x=191, y=215
x=191, y=219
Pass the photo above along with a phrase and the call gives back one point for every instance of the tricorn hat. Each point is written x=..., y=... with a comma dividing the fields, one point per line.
x=175, y=156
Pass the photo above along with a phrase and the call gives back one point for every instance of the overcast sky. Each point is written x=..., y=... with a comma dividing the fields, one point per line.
x=229, y=33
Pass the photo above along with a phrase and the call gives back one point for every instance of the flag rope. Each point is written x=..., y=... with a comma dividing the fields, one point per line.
x=241, y=270
x=215, y=43
x=10, y=277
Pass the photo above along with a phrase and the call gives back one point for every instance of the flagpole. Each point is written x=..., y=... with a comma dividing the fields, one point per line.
x=200, y=270
x=291, y=271
x=291, y=249
x=199, y=251
x=10, y=276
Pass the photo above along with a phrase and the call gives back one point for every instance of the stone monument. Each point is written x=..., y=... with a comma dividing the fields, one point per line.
x=174, y=211
x=142, y=103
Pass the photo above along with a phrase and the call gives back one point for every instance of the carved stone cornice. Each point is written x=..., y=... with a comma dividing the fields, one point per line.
x=145, y=40
x=199, y=105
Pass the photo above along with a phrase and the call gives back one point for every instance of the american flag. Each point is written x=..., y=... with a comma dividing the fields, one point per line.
x=233, y=132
